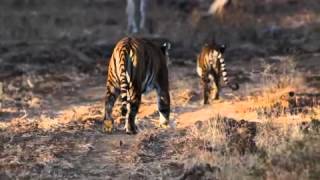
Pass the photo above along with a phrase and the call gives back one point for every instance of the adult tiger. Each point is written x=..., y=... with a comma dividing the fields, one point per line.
x=136, y=66
x=210, y=67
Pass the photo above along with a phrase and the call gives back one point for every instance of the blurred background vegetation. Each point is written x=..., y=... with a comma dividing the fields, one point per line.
x=281, y=25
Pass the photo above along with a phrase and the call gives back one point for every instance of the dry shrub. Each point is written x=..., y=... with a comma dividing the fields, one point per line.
x=225, y=134
x=279, y=96
x=291, y=152
x=271, y=138
x=227, y=145
x=247, y=150
x=201, y=171
x=281, y=75
x=270, y=150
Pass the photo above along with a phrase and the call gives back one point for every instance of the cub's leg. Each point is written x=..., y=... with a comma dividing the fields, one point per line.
x=204, y=82
x=163, y=99
x=111, y=96
x=215, y=88
x=133, y=109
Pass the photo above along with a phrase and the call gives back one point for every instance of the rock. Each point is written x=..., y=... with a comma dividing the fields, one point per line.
x=310, y=127
x=4, y=176
x=239, y=135
x=201, y=172
x=312, y=46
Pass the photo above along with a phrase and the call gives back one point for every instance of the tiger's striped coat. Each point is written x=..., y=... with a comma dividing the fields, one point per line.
x=210, y=67
x=136, y=66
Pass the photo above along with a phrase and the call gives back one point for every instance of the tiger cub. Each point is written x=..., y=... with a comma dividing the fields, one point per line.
x=136, y=66
x=210, y=67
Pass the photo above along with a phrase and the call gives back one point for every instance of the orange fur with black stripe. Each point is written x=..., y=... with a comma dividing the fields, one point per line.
x=210, y=68
x=136, y=66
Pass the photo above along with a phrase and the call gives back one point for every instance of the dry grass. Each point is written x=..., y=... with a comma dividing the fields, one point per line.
x=283, y=95
x=277, y=152
x=48, y=132
x=278, y=145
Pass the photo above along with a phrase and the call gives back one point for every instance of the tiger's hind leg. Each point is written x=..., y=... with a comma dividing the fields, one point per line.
x=133, y=109
x=163, y=100
x=111, y=96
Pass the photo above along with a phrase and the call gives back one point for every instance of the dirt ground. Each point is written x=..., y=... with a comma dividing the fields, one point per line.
x=53, y=58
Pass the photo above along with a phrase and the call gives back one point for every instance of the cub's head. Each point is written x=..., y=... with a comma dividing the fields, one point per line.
x=221, y=48
x=217, y=47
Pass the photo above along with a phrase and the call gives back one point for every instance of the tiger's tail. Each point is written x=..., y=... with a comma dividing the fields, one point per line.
x=124, y=75
x=233, y=86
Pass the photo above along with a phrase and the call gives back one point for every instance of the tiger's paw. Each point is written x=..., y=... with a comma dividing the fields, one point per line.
x=164, y=122
x=121, y=124
x=215, y=101
x=108, y=126
x=133, y=130
x=167, y=124
x=164, y=126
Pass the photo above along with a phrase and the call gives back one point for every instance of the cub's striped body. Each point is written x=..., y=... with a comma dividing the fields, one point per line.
x=136, y=66
x=210, y=67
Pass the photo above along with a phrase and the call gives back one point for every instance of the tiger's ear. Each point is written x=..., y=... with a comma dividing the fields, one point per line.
x=165, y=47
x=222, y=48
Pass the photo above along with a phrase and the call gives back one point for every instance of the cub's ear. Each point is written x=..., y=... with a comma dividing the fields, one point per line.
x=165, y=47
x=222, y=48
